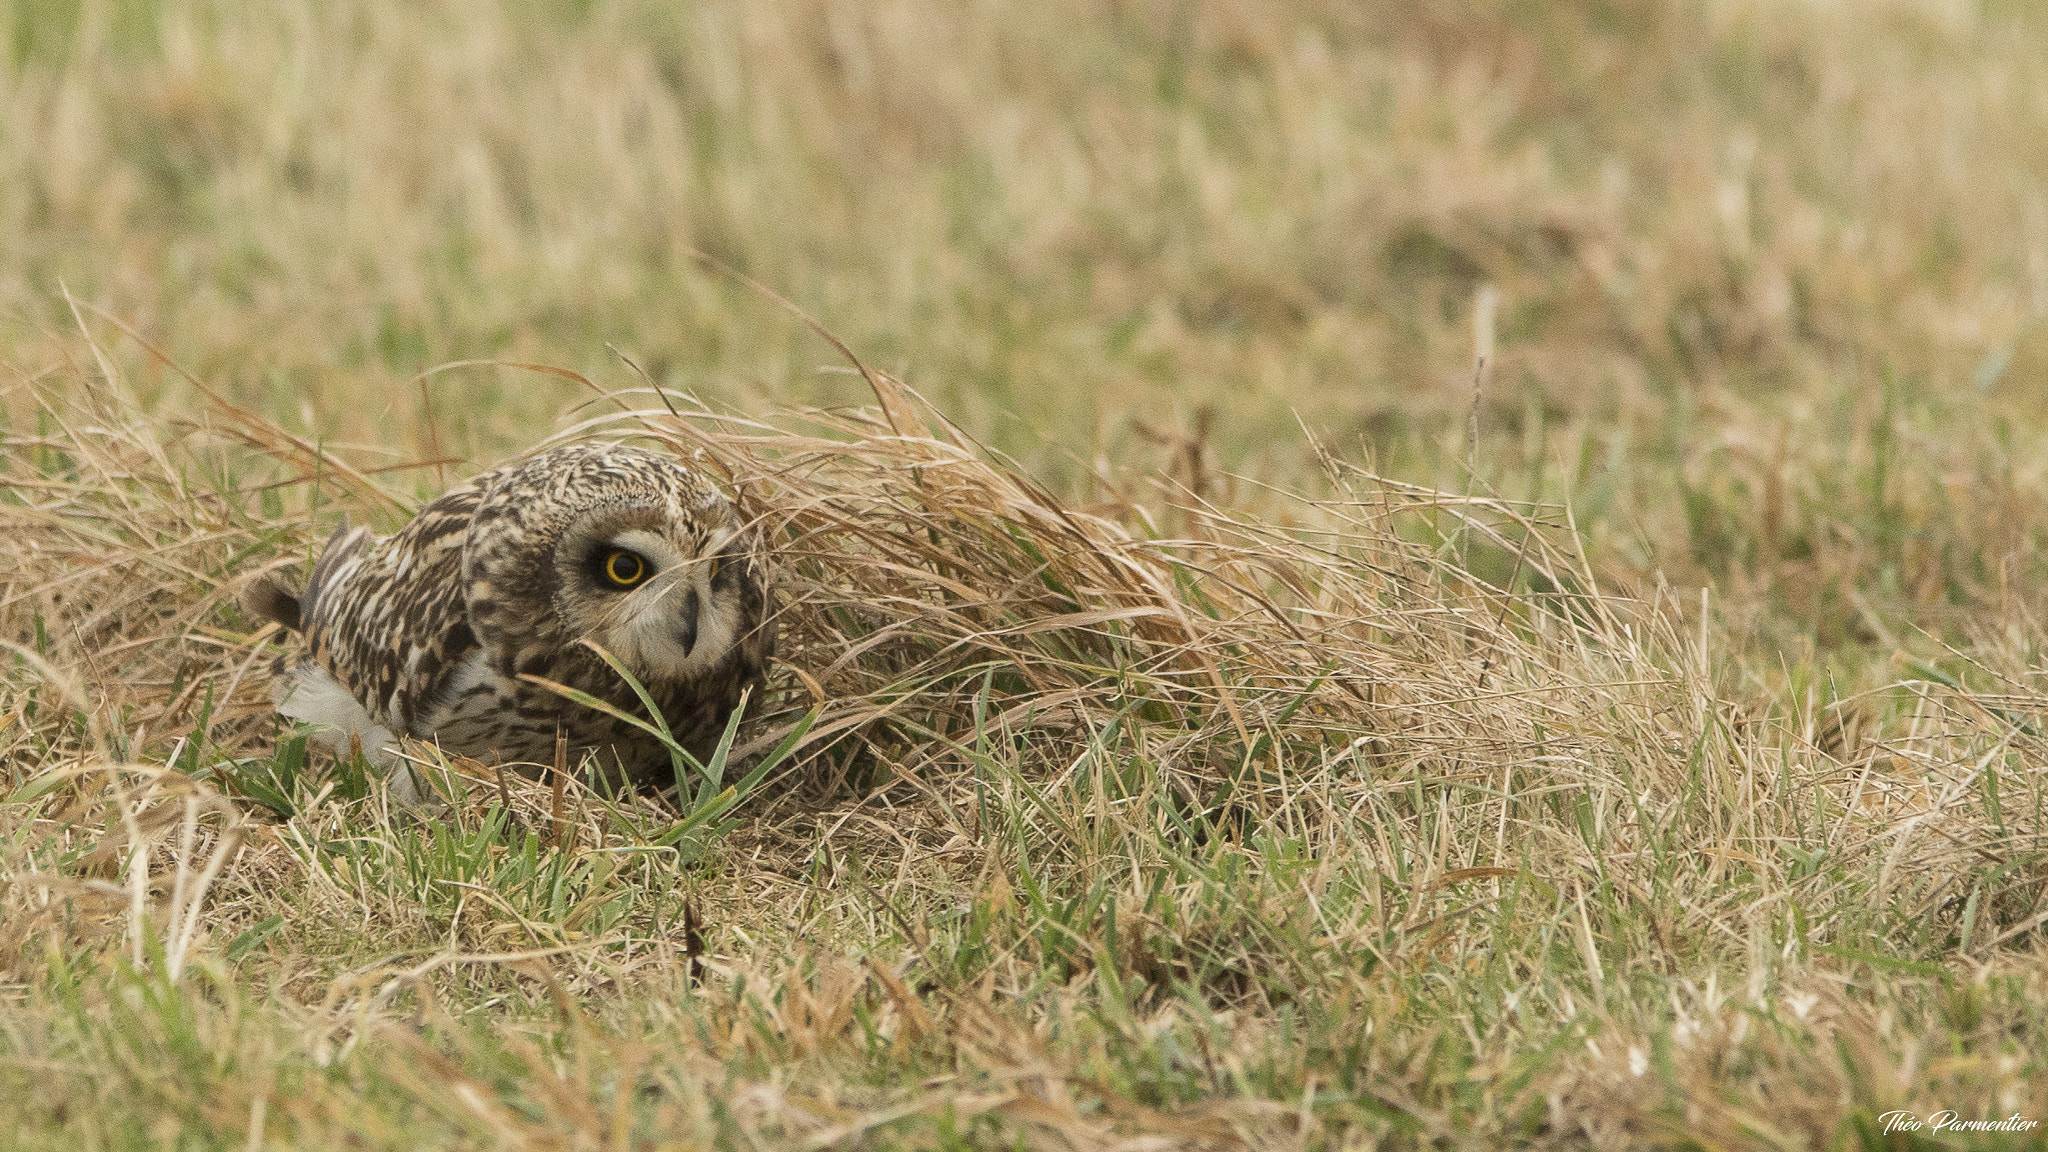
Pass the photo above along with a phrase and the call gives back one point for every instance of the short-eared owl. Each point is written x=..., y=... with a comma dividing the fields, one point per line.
x=426, y=632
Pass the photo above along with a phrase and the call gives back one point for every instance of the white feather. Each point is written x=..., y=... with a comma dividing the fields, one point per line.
x=312, y=695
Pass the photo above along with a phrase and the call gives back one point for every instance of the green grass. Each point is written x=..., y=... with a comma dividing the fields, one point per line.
x=1219, y=715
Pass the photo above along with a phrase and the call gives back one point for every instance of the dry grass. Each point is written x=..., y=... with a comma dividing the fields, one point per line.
x=1232, y=729
x=1102, y=832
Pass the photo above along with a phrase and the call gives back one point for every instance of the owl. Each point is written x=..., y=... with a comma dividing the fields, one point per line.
x=428, y=632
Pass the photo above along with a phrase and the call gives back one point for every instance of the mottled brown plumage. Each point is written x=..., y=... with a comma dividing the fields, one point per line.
x=427, y=633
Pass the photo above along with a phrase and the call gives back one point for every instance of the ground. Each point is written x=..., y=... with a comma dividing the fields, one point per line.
x=1448, y=574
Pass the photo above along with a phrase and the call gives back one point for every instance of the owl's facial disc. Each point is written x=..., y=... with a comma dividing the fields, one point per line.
x=659, y=612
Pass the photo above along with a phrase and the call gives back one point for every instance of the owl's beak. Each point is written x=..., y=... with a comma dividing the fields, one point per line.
x=686, y=629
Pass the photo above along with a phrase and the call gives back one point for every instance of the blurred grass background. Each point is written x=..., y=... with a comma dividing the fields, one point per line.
x=1764, y=282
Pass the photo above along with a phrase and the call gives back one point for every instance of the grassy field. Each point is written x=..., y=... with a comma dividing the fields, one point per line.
x=1447, y=574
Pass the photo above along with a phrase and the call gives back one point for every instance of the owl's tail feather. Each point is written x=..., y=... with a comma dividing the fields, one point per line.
x=272, y=599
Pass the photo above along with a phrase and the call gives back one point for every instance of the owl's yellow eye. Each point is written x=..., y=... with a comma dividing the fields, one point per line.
x=713, y=574
x=624, y=568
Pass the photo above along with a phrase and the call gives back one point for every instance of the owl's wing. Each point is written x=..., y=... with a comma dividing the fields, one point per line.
x=388, y=618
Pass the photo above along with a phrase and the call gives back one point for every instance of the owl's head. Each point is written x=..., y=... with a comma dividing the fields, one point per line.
x=620, y=546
